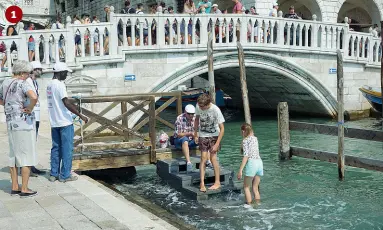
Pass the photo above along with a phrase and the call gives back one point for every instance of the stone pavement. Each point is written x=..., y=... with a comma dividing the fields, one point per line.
x=83, y=204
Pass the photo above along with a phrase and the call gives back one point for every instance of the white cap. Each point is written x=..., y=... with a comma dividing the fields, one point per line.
x=214, y=5
x=61, y=66
x=275, y=4
x=190, y=109
x=36, y=65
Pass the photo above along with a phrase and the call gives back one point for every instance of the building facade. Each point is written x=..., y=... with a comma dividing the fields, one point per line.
x=40, y=12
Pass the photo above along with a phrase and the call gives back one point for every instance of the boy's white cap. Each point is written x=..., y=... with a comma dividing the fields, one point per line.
x=275, y=4
x=61, y=66
x=190, y=109
x=214, y=5
x=36, y=65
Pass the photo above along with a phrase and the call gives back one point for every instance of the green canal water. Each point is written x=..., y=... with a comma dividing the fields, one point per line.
x=297, y=194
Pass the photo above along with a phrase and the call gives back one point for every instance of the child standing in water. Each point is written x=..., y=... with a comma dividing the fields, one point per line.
x=252, y=163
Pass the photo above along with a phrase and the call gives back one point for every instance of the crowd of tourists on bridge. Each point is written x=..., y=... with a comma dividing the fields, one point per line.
x=20, y=97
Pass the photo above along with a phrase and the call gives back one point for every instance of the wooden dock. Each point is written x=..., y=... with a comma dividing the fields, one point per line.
x=107, y=140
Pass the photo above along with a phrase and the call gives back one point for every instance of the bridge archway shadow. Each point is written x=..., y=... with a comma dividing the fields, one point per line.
x=270, y=78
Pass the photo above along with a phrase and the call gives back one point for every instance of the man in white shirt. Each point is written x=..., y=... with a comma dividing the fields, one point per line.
x=62, y=129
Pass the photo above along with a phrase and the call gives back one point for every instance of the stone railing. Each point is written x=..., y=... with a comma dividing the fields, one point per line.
x=166, y=33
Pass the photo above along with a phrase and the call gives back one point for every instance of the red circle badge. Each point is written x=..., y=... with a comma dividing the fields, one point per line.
x=13, y=14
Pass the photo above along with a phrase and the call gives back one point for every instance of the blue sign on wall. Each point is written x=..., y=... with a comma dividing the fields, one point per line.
x=332, y=71
x=130, y=77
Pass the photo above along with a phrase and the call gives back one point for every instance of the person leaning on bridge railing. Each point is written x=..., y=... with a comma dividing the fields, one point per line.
x=62, y=129
x=19, y=98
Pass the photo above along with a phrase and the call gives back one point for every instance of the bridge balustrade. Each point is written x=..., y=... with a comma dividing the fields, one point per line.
x=170, y=32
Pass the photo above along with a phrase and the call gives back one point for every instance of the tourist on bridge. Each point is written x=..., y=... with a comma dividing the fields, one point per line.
x=184, y=133
x=252, y=163
x=204, y=4
x=37, y=71
x=14, y=95
x=62, y=130
x=209, y=121
x=274, y=11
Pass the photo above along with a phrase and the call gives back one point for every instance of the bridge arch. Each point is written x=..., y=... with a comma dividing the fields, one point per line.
x=304, y=8
x=361, y=12
x=270, y=78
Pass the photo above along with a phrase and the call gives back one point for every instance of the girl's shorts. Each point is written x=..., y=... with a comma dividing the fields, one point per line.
x=254, y=167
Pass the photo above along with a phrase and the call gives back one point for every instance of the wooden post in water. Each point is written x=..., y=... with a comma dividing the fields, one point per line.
x=211, y=67
x=242, y=76
x=340, y=99
x=283, y=131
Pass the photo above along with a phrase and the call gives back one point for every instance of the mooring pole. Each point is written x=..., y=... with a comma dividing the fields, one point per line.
x=211, y=67
x=242, y=75
x=340, y=82
x=381, y=67
x=283, y=131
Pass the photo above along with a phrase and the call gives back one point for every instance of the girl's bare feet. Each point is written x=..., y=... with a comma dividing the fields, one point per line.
x=215, y=186
x=202, y=188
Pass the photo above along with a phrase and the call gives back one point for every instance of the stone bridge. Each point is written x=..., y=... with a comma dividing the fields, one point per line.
x=286, y=60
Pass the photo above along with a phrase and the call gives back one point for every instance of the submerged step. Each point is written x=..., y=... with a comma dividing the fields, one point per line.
x=174, y=172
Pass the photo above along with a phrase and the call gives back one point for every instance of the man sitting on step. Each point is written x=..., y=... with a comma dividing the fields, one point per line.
x=184, y=134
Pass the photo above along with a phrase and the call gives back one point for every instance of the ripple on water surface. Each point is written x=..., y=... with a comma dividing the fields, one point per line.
x=298, y=194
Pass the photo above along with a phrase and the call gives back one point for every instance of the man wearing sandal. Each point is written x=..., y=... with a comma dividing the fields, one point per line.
x=209, y=120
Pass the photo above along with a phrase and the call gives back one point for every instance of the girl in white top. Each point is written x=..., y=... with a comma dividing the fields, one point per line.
x=252, y=163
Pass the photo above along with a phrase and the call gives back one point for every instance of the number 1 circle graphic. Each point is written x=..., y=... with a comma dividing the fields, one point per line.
x=13, y=14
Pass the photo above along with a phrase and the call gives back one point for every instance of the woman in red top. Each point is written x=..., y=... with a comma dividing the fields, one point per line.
x=237, y=10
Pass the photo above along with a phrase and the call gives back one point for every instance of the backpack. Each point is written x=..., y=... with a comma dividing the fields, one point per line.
x=128, y=11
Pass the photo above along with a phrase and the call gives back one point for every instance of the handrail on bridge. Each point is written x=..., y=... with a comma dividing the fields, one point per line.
x=169, y=32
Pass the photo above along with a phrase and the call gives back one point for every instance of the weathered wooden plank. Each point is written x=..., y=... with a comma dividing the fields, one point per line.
x=283, y=131
x=111, y=98
x=332, y=130
x=88, y=147
x=100, y=162
x=124, y=110
x=152, y=131
x=340, y=99
x=114, y=121
x=242, y=76
x=353, y=161
x=158, y=111
x=158, y=118
x=102, y=113
x=179, y=102
x=106, y=122
x=210, y=68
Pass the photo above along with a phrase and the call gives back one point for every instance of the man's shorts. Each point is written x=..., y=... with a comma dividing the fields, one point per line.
x=179, y=141
x=207, y=143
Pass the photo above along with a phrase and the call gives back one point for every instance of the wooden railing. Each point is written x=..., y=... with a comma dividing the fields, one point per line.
x=115, y=117
x=285, y=126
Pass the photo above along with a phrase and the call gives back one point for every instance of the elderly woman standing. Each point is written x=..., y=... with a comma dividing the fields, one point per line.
x=19, y=98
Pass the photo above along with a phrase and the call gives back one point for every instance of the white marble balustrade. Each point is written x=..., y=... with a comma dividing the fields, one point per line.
x=162, y=32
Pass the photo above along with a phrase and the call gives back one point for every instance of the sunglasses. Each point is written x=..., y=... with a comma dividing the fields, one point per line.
x=191, y=114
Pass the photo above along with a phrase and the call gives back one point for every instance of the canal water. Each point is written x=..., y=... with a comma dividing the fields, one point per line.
x=297, y=194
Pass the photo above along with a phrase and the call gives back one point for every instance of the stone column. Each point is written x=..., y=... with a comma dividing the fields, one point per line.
x=263, y=7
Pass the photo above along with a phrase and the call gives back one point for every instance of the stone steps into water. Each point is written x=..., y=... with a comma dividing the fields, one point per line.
x=174, y=172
